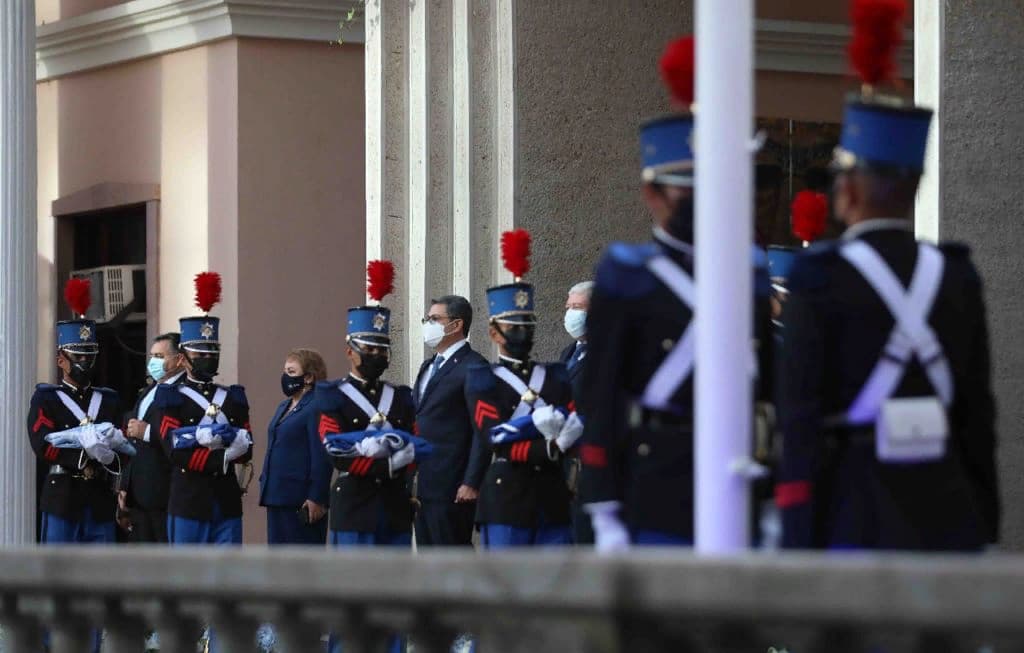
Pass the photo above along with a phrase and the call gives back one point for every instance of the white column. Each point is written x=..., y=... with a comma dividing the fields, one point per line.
x=928, y=31
x=724, y=276
x=462, y=151
x=387, y=182
x=17, y=267
x=504, y=21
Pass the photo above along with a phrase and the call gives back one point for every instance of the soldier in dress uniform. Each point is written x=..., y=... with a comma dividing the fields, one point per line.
x=524, y=499
x=78, y=500
x=637, y=448
x=204, y=429
x=371, y=501
x=885, y=392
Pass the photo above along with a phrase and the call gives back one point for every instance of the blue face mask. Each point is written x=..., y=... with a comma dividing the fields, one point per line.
x=155, y=367
x=576, y=322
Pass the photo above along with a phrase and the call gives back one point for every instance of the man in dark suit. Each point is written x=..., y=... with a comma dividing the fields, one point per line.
x=448, y=482
x=147, y=481
x=577, y=303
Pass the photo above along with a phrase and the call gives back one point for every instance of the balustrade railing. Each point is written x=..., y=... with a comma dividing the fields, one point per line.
x=510, y=602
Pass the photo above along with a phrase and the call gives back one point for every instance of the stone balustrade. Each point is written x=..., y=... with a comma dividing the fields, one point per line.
x=653, y=600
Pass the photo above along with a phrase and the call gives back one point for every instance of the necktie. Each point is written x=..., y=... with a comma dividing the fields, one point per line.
x=574, y=360
x=434, y=367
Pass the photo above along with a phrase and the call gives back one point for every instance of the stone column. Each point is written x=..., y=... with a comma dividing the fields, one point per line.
x=17, y=267
x=981, y=137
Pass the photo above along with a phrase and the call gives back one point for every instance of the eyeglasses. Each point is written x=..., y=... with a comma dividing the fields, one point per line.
x=434, y=319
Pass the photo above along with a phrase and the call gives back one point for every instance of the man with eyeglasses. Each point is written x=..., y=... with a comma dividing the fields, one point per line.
x=448, y=482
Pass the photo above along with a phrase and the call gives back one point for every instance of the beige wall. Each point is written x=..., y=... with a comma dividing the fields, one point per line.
x=301, y=242
x=258, y=150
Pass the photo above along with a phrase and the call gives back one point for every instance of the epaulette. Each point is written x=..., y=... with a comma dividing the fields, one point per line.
x=479, y=378
x=46, y=388
x=167, y=396
x=237, y=394
x=327, y=396
x=107, y=392
x=622, y=271
x=810, y=268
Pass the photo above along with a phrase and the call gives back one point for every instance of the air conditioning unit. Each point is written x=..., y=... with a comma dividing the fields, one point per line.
x=112, y=288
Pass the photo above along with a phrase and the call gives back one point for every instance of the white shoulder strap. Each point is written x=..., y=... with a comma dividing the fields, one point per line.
x=218, y=398
x=911, y=334
x=537, y=378
x=386, y=397
x=94, y=405
x=678, y=365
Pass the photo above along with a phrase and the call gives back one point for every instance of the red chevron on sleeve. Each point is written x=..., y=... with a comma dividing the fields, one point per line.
x=792, y=493
x=168, y=424
x=593, y=456
x=198, y=459
x=360, y=466
x=42, y=421
x=520, y=451
x=50, y=453
x=484, y=410
x=327, y=425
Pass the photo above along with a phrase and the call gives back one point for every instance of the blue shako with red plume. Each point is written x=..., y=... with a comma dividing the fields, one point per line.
x=370, y=325
x=202, y=332
x=880, y=132
x=666, y=142
x=513, y=302
x=77, y=335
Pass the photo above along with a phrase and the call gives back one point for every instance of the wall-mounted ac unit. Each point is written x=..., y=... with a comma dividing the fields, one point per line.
x=112, y=288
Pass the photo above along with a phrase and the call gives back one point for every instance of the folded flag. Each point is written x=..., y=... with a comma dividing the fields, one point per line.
x=104, y=432
x=212, y=436
x=375, y=444
x=515, y=430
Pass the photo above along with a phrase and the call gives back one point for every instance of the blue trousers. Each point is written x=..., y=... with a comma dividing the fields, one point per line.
x=218, y=530
x=503, y=536
x=383, y=537
x=285, y=527
x=57, y=530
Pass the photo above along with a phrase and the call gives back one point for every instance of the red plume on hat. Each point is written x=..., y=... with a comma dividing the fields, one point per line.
x=877, y=34
x=515, y=252
x=810, y=210
x=207, y=290
x=380, y=279
x=78, y=296
x=677, y=71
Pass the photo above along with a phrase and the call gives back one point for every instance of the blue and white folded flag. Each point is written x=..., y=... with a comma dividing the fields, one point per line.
x=515, y=430
x=104, y=432
x=375, y=444
x=212, y=436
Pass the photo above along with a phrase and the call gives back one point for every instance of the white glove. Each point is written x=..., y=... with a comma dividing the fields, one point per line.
x=94, y=446
x=401, y=458
x=238, y=447
x=610, y=534
x=206, y=438
x=570, y=433
x=549, y=421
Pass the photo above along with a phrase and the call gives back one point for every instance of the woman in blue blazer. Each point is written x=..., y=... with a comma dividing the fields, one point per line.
x=296, y=478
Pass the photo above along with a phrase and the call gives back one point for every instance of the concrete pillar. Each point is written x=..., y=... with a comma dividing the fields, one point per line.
x=981, y=137
x=928, y=37
x=17, y=267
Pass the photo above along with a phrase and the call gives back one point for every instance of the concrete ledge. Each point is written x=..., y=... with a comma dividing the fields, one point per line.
x=938, y=593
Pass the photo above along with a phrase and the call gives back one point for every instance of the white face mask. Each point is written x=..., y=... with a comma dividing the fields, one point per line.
x=576, y=322
x=433, y=334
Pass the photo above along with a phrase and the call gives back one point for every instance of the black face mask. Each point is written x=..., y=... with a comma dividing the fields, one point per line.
x=680, y=223
x=518, y=340
x=204, y=369
x=81, y=372
x=372, y=366
x=291, y=385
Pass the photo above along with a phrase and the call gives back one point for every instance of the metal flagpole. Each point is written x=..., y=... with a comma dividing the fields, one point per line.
x=724, y=274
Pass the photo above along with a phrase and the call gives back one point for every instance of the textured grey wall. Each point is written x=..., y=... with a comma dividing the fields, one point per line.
x=982, y=195
x=586, y=76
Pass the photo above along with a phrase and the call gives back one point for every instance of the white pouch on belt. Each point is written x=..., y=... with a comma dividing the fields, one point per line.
x=911, y=430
